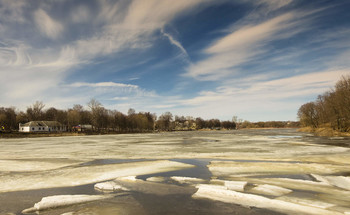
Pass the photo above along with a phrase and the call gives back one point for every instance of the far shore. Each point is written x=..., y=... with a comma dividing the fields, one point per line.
x=324, y=132
x=16, y=134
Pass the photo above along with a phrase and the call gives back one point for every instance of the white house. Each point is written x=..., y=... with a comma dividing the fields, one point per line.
x=42, y=126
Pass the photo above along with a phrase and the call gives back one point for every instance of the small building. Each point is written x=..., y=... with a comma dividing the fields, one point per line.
x=42, y=126
x=82, y=128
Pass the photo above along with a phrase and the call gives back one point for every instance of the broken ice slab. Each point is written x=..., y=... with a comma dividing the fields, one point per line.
x=156, y=179
x=64, y=200
x=338, y=181
x=109, y=186
x=296, y=184
x=342, y=159
x=266, y=189
x=19, y=165
x=220, y=193
x=241, y=186
x=307, y=202
x=187, y=180
x=231, y=185
x=80, y=175
x=345, y=210
x=129, y=178
x=153, y=187
x=222, y=168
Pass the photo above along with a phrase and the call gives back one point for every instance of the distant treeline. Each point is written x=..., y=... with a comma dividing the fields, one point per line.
x=105, y=120
x=331, y=109
x=269, y=124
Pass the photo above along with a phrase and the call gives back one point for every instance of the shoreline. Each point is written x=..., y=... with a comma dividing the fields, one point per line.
x=16, y=134
x=10, y=135
x=324, y=132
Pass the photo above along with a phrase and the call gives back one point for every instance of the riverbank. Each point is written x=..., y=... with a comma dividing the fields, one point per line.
x=16, y=134
x=324, y=132
x=7, y=135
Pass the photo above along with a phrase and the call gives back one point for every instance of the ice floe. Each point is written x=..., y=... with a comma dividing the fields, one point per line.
x=64, y=200
x=19, y=165
x=153, y=187
x=109, y=186
x=338, y=181
x=74, y=176
x=234, y=167
x=308, y=202
x=230, y=185
x=267, y=189
x=187, y=180
x=156, y=179
x=220, y=193
x=129, y=178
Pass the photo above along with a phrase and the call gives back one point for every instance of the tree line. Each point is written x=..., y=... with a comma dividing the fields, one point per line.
x=105, y=120
x=331, y=109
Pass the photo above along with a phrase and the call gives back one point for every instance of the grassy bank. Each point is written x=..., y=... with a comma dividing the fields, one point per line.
x=31, y=135
x=324, y=132
x=55, y=134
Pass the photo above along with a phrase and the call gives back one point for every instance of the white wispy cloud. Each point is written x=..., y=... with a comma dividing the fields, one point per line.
x=81, y=14
x=102, y=84
x=176, y=43
x=244, y=96
x=239, y=47
x=47, y=26
x=40, y=70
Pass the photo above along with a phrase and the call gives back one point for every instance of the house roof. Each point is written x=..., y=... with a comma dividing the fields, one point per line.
x=42, y=123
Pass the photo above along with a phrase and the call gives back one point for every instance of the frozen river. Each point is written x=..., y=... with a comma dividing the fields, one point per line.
x=269, y=171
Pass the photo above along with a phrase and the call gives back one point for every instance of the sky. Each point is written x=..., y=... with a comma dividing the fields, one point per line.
x=259, y=60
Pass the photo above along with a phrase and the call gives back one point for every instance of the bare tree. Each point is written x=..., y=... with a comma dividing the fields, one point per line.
x=35, y=112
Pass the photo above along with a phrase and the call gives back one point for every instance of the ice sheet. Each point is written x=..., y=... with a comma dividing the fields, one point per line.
x=109, y=186
x=154, y=187
x=225, y=145
x=187, y=180
x=338, y=181
x=75, y=176
x=230, y=185
x=295, y=184
x=308, y=202
x=220, y=193
x=261, y=155
x=232, y=168
x=156, y=179
x=267, y=189
x=19, y=165
x=64, y=200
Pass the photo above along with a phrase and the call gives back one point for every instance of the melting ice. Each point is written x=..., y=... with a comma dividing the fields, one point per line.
x=272, y=171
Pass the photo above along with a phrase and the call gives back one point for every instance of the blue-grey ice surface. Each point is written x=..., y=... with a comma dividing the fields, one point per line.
x=267, y=162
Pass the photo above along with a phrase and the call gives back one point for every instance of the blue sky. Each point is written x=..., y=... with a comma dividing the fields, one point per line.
x=257, y=59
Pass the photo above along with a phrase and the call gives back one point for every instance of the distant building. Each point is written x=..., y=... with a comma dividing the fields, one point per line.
x=82, y=128
x=42, y=126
